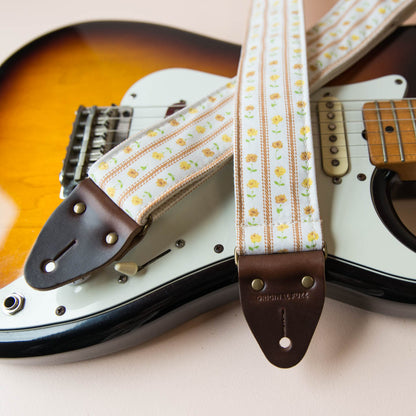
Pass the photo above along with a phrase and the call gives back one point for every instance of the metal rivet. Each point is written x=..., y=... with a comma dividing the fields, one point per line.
x=111, y=238
x=49, y=266
x=257, y=284
x=285, y=343
x=180, y=243
x=79, y=208
x=60, y=310
x=361, y=177
x=336, y=180
x=123, y=278
x=219, y=248
x=307, y=282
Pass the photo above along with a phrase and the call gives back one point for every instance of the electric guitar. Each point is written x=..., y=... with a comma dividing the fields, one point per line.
x=186, y=261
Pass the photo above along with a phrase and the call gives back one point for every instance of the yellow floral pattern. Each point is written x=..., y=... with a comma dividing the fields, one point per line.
x=267, y=193
x=350, y=26
x=178, y=143
x=150, y=165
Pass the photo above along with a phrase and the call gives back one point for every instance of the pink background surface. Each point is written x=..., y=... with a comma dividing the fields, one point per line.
x=358, y=363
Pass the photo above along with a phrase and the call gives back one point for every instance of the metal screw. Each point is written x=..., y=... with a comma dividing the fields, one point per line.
x=307, y=282
x=79, y=208
x=336, y=180
x=332, y=126
x=333, y=138
x=257, y=284
x=123, y=278
x=219, y=248
x=180, y=243
x=111, y=238
x=361, y=177
x=398, y=81
x=329, y=104
x=60, y=310
x=331, y=115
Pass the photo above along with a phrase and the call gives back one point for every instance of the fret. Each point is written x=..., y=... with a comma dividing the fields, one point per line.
x=390, y=127
x=380, y=128
x=398, y=134
x=412, y=114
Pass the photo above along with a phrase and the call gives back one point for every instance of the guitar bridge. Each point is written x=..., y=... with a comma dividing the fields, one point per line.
x=96, y=130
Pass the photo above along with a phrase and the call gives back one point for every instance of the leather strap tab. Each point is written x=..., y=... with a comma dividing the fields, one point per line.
x=86, y=232
x=282, y=296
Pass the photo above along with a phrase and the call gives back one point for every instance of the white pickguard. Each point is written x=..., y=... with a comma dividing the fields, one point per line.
x=205, y=218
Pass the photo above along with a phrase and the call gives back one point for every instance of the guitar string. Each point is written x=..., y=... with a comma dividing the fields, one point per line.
x=314, y=125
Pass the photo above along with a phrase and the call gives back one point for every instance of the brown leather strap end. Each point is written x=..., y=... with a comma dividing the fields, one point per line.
x=282, y=296
x=86, y=232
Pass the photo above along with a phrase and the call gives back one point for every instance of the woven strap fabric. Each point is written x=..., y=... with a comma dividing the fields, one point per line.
x=152, y=170
x=348, y=31
x=149, y=172
x=276, y=195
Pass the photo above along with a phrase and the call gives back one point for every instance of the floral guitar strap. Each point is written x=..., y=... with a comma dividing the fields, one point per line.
x=279, y=239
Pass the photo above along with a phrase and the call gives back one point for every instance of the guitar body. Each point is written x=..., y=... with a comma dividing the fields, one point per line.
x=42, y=85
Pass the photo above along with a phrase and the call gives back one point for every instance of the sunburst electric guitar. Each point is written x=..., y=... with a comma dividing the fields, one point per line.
x=364, y=134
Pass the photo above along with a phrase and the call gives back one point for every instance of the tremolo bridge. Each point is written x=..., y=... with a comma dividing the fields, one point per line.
x=95, y=131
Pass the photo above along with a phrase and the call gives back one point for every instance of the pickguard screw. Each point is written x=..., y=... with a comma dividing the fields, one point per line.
x=398, y=81
x=111, y=238
x=122, y=279
x=180, y=243
x=361, y=177
x=257, y=284
x=219, y=248
x=79, y=208
x=60, y=310
x=336, y=180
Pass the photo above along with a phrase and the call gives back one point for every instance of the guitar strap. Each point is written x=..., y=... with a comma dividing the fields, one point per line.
x=276, y=204
x=279, y=235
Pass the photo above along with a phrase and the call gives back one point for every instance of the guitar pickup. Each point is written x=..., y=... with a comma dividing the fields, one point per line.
x=334, y=153
x=95, y=131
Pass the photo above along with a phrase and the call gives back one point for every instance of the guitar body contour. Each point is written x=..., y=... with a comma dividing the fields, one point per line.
x=41, y=86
